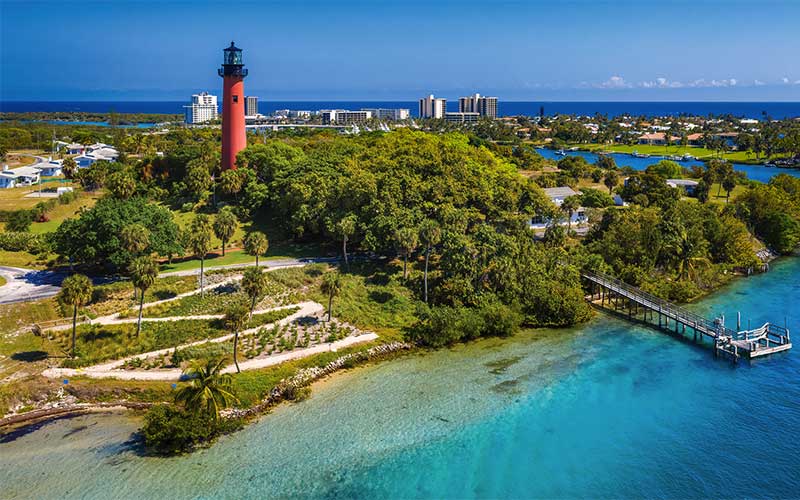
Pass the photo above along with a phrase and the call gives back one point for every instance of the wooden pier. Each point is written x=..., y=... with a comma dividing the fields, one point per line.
x=610, y=293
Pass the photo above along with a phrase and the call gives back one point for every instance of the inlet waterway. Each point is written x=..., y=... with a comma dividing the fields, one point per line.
x=609, y=409
x=761, y=173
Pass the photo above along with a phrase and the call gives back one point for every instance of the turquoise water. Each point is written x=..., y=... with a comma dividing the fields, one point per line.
x=606, y=410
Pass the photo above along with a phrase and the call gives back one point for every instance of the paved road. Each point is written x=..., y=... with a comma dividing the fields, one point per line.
x=27, y=284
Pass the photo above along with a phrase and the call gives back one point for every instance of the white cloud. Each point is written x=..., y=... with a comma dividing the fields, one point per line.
x=615, y=82
x=785, y=80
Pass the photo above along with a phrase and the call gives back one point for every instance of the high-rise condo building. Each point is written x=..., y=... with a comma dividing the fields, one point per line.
x=202, y=109
x=251, y=105
x=484, y=106
x=431, y=107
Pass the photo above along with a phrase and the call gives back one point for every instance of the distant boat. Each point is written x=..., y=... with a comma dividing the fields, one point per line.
x=637, y=154
x=676, y=158
x=561, y=152
x=574, y=148
x=688, y=157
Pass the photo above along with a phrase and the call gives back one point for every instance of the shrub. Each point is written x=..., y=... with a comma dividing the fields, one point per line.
x=169, y=430
x=21, y=242
x=19, y=221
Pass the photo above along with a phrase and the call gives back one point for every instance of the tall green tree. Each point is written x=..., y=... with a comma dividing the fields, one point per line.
x=198, y=179
x=331, y=286
x=728, y=184
x=235, y=319
x=407, y=241
x=225, y=224
x=569, y=206
x=200, y=243
x=76, y=290
x=256, y=244
x=611, y=179
x=209, y=390
x=254, y=284
x=430, y=234
x=143, y=271
x=69, y=167
x=344, y=229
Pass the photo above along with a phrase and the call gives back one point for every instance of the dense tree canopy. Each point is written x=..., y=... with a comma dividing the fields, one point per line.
x=94, y=237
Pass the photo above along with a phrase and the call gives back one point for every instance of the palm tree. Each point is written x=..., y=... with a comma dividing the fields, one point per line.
x=569, y=206
x=69, y=167
x=254, y=284
x=135, y=238
x=430, y=234
x=686, y=254
x=200, y=243
x=611, y=180
x=77, y=291
x=255, y=244
x=209, y=390
x=331, y=286
x=225, y=224
x=729, y=184
x=407, y=240
x=235, y=319
x=143, y=271
x=345, y=228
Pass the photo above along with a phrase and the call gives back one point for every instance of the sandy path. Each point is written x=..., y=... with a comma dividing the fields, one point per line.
x=109, y=369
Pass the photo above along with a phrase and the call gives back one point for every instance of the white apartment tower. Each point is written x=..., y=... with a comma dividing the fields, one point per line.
x=202, y=109
x=431, y=107
x=484, y=106
x=250, y=105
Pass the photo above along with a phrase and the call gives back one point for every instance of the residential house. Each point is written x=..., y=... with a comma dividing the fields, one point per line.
x=16, y=177
x=557, y=195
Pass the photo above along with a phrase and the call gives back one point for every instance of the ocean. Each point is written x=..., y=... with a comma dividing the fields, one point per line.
x=505, y=108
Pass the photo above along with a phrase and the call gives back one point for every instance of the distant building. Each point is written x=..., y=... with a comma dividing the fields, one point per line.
x=202, y=109
x=96, y=152
x=251, y=105
x=21, y=176
x=557, y=195
x=484, y=106
x=344, y=116
x=389, y=114
x=50, y=169
x=295, y=113
x=431, y=107
x=462, y=117
x=687, y=185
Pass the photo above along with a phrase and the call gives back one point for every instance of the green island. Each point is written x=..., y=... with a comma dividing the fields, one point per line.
x=205, y=297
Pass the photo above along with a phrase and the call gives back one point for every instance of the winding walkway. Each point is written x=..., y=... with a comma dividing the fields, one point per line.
x=111, y=368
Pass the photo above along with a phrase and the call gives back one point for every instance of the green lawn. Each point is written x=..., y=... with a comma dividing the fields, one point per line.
x=2, y=281
x=699, y=152
x=61, y=212
x=721, y=198
x=22, y=259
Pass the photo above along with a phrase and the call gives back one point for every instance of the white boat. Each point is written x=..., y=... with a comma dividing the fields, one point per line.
x=637, y=154
x=561, y=152
x=688, y=157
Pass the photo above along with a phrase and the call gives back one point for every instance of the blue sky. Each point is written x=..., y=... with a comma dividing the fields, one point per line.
x=400, y=50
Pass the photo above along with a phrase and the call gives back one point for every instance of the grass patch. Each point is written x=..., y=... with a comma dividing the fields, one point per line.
x=62, y=212
x=373, y=297
x=23, y=259
x=118, y=296
x=2, y=281
x=97, y=343
x=20, y=314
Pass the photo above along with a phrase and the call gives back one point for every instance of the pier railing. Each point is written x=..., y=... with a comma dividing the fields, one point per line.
x=657, y=304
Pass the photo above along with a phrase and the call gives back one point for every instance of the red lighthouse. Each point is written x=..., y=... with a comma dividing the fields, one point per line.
x=234, y=137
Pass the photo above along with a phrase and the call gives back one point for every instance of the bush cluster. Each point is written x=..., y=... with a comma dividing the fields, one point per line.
x=170, y=430
x=443, y=325
x=22, y=242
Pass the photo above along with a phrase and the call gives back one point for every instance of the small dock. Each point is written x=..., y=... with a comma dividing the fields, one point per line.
x=609, y=293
